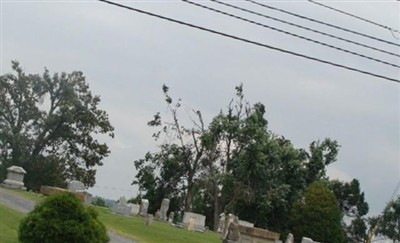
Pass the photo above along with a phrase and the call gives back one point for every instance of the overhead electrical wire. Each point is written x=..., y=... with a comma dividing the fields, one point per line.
x=305, y=28
x=250, y=41
x=355, y=16
x=323, y=23
x=291, y=34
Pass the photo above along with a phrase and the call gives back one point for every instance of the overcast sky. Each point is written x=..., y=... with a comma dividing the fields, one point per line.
x=127, y=56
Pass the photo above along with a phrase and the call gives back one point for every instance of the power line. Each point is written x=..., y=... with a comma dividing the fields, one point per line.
x=355, y=16
x=323, y=23
x=291, y=34
x=250, y=41
x=305, y=28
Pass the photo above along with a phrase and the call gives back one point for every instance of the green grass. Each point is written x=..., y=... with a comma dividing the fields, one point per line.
x=129, y=227
x=134, y=228
x=9, y=223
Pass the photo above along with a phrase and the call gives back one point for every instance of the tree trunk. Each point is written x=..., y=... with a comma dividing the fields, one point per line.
x=188, y=198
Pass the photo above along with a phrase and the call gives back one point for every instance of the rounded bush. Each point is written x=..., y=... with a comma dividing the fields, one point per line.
x=62, y=218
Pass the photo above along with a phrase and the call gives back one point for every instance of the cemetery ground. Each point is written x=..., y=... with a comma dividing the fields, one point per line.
x=129, y=227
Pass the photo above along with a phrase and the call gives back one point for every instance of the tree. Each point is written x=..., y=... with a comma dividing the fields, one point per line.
x=354, y=208
x=317, y=216
x=389, y=224
x=62, y=218
x=98, y=201
x=179, y=161
x=49, y=124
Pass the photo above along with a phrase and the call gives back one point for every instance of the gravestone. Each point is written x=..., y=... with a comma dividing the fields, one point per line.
x=171, y=217
x=76, y=186
x=221, y=223
x=144, y=205
x=198, y=219
x=157, y=215
x=246, y=223
x=122, y=207
x=307, y=240
x=233, y=232
x=135, y=208
x=164, y=209
x=289, y=238
x=148, y=219
x=15, y=178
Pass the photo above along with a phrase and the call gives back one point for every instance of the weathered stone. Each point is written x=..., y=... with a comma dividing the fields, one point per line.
x=76, y=186
x=289, y=238
x=15, y=178
x=233, y=232
x=164, y=209
x=171, y=217
x=253, y=234
x=148, y=219
x=144, y=205
x=199, y=220
x=49, y=190
x=135, y=208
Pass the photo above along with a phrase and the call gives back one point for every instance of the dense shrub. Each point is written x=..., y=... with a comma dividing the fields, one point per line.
x=317, y=216
x=62, y=218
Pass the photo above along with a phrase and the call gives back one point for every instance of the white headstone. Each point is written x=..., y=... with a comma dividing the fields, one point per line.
x=306, y=240
x=289, y=238
x=122, y=207
x=15, y=178
x=199, y=220
x=144, y=205
x=76, y=186
x=164, y=209
x=135, y=208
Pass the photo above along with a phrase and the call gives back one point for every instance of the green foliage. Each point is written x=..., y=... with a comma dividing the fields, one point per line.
x=47, y=126
x=98, y=201
x=62, y=218
x=390, y=220
x=317, y=216
x=354, y=208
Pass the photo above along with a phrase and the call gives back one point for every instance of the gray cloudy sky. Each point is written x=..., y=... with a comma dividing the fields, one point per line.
x=127, y=56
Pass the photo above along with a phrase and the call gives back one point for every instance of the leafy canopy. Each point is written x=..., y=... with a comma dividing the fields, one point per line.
x=48, y=125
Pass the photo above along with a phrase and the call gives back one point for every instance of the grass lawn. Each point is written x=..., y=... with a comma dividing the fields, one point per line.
x=9, y=223
x=130, y=227
x=134, y=228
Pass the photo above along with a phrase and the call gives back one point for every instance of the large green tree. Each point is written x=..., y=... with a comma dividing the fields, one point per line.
x=389, y=223
x=317, y=216
x=48, y=125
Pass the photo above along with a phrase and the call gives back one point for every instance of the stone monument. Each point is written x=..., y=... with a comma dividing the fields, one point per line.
x=122, y=207
x=233, y=232
x=199, y=220
x=171, y=217
x=144, y=205
x=76, y=186
x=148, y=219
x=15, y=178
x=289, y=238
x=164, y=209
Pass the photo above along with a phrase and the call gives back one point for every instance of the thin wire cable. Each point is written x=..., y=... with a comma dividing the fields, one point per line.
x=305, y=28
x=323, y=23
x=250, y=41
x=354, y=16
x=291, y=34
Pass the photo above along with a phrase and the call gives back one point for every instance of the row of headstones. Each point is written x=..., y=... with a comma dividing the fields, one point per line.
x=191, y=220
x=290, y=239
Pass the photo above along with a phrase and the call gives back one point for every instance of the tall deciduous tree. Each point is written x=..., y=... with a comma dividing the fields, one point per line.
x=179, y=161
x=48, y=125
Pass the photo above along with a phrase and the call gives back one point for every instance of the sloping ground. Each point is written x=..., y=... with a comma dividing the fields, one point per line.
x=20, y=202
x=9, y=223
x=120, y=229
